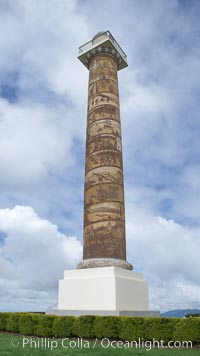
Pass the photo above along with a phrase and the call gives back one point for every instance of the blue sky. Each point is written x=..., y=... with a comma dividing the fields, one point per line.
x=43, y=102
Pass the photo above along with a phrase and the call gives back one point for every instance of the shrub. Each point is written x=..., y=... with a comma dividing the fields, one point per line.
x=12, y=323
x=131, y=328
x=159, y=328
x=107, y=326
x=28, y=323
x=44, y=325
x=188, y=330
x=64, y=326
x=84, y=326
x=3, y=319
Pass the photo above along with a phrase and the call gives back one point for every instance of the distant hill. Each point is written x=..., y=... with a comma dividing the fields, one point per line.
x=180, y=313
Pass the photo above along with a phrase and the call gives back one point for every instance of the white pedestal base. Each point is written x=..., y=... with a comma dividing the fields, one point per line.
x=108, y=289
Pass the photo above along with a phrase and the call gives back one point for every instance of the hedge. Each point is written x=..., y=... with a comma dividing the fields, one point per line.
x=12, y=322
x=160, y=328
x=84, y=326
x=28, y=323
x=3, y=320
x=44, y=326
x=131, y=328
x=107, y=327
x=112, y=327
x=64, y=326
x=188, y=329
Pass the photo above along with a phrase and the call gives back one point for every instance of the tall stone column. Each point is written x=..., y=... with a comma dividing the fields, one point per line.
x=104, y=270
x=104, y=242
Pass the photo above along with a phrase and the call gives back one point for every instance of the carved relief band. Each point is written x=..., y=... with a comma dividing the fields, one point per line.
x=103, y=142
x=104, y=158
x=109, y=211
x=103, y=175
x=103, y=112
x=104, y=193
x=106, y=238
x=103, y=86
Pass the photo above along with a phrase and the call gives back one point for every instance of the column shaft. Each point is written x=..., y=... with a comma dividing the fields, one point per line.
x=104, y=218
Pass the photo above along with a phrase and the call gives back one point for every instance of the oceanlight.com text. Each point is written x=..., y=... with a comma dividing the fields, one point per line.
x=105, y=343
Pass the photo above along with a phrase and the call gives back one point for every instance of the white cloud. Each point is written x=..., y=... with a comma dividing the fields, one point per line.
x=33, y=141
x=40, y=43
x=168, y=255
x=189, y=204
x=143, y=99
x=38, y=130
x=33, y=257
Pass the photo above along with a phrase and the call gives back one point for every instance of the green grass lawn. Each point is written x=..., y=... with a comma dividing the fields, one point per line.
x=13, y=345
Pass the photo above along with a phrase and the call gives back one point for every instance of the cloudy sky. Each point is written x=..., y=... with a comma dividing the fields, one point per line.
x=43, y=101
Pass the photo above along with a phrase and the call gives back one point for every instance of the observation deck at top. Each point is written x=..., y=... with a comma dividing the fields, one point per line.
x=102, y=43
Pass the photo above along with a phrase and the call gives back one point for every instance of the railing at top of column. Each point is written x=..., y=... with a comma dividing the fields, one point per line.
x=102, y=38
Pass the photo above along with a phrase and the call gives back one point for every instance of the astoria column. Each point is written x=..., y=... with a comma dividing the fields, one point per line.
x=104, y=240
x=103, y=282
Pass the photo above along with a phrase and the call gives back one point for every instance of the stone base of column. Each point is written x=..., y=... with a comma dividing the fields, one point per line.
x=107, y=290
x=59, y=312
x=104, y=262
